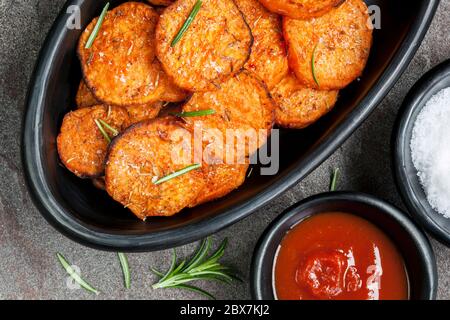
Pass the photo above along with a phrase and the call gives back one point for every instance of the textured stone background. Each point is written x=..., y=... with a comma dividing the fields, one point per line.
x=28, y=267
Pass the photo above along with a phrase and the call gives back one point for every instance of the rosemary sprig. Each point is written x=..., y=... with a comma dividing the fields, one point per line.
x=102, y=130
x=334, y=179
x=199, y=267
x=178, y=173
x=187, y=23
x=199, y=113
x=97, y=27
x=107, y=126
x=125, y=270
x=75, y=276
x=313, y=65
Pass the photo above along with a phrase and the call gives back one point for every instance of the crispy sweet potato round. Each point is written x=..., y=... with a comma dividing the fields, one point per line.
x=221, y=179
x=339, y=41
x=299, y=106
x=163, y=3
x=142, y=155
x=137, y=113
x=223, y=173
x=301, y=9
x=268, y=59
x=81, y=146
x=214, y=48
x=121, y=67
x=172, y=93
x=140, y=113
x=84, y=97
x=244, y=105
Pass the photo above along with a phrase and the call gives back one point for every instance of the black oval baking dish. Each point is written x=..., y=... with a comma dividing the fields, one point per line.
x=411, y=242
x=90, y=217
x=405, y=173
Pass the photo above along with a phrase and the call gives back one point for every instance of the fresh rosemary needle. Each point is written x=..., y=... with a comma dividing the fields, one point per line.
x=187, y=23
x=107, y=126
x=97, y=27
x=125, y=269
x=102, y=130
x=199, y=113
x=313, y=65
x=334, y=179
x=75, y=276
x=199, y=267
x=178, y=173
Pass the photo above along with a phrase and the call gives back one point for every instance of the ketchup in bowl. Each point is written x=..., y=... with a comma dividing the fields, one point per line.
x=339, y=256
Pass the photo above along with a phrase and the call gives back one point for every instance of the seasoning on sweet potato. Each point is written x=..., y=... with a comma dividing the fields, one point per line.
x=299, y=106
x=143, y=155
x=81, y=145
x=268, y=59
x=140, y=113
x=163, y=3
x=331, y=51
x=221, y=179
x=301, y=9
x=84, y=97
x=121, y=67
x=244, y=105
x=214, y=47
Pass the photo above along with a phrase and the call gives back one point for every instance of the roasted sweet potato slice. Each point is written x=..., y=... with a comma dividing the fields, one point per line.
x=121, y=67
x=81, y=145
x=331, y=51
x=301, y=9
x=268, y=59
x=140, y=113
x=299, y=106
x=244, y=105
x=163, y=3
x=84, y=97
x=146, y=153
x=221, y=179
x=224, y=170
x=172, y=93
x=214, y=48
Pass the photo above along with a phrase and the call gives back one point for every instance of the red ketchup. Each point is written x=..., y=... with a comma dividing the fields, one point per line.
x=338, y=256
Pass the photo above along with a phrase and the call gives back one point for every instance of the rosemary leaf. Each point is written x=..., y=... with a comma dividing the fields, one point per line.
x=156, y=272
x=200, y=255
x=313, y=65
x=334, y=179
x=125, y=269
x=195, y=113
x=178, y=173
x=199, y=267
x=102, y=130
x=107, y=126
x=97, y=27
x=196, y=290
x=75, y=276
x=187, y=23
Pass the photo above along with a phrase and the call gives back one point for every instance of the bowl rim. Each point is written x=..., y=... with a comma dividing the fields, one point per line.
x=420, y=210
x=56, y=215
x=278, y=225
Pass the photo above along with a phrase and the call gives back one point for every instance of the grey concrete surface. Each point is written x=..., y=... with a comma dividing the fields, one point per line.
x=28, y=267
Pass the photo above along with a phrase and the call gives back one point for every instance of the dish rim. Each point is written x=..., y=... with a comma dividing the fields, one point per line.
x=64, y=222
x=420, y=210
x=278, y=225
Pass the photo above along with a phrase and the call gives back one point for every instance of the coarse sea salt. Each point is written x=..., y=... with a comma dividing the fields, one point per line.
x=430, y=149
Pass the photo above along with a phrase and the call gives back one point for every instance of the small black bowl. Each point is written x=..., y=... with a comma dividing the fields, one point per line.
x=409, y=239
x=405, y=172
